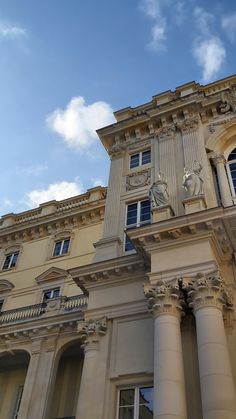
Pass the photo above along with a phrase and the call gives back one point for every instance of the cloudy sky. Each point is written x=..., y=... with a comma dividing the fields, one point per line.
x=66, y=65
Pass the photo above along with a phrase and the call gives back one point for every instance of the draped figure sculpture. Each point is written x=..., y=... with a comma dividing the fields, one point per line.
x=192, y=180
x=158, y=192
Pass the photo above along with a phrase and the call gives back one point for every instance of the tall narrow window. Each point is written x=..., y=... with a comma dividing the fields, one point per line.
x=136, y=403
x=10, y=260
x=138, y=213
x=231, y=170
x=17, y=403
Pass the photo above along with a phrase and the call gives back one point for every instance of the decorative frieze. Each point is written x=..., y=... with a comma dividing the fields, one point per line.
x=138, y=180
x=164, y=298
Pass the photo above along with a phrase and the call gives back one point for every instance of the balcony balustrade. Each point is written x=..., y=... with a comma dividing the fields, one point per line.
x=64, y=305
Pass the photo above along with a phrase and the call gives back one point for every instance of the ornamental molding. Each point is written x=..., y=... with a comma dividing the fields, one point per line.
x=90, y=332
x=138, y=179
x=50, y=275
x=166, y=132
x=164, y=298
x=217, y=158
x=212, y=126
x=209, y=291
x=189, y=124
x=5, y=286
x=111, y=271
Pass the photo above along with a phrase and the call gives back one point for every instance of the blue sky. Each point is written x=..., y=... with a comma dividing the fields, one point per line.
x=66, y=65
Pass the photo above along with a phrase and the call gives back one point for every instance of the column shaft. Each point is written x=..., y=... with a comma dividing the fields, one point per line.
x=28, y=386
x=169, y=387
x=217, y=387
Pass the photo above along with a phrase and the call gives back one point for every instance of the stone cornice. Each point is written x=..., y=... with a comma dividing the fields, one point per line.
x=168, y=108
x=109, y=271
x=58, y=216
x=212, y=224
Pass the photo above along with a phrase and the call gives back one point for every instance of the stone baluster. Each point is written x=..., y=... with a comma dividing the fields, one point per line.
x=219, y=162
x=169, y=387
x=208, y=296
x=93, y=379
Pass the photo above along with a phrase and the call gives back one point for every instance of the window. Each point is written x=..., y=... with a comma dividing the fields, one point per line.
x=231, y=169
x=10, y=260
x=138, y=213
x=49, y=294
x=1, y=305
x=18, y=401
x=61, y=247
x=136, y=403
x=139, y=159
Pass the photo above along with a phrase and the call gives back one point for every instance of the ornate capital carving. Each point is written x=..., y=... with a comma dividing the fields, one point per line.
x=217, y=158
x=117, y=149
x=209, y=291
x=164, y=298
x=166, y=132
x=189, y=124
x=90, y=332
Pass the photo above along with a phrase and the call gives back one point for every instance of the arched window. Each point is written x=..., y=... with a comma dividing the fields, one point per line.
x=231, y=169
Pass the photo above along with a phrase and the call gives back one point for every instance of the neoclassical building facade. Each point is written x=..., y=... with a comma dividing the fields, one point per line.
x=120, y=303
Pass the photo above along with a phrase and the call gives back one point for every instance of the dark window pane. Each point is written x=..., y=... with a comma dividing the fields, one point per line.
x=146, y=157
x=65, y=246
x=6, y=264
x=232, y=155
x=47, y=295
x=126, y=412
x=132, y=214
x=146, y=395
x=145, y=412
x=145, y=214
x=56, y=293
x=127, y=397
x=134, y=161
x=232, y=166
x=14, y=260
x=57, y=248
x=128, y=245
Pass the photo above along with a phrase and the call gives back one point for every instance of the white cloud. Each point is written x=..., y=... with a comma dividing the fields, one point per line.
x=8, y=31
x=97, y=182
x=210, y=55
x=229, y=25
x=208, y=49
x=77, y=124
x=153, y=10
x=58, y=191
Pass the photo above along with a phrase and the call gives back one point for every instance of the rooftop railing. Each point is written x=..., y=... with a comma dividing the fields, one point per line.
x=66, y=304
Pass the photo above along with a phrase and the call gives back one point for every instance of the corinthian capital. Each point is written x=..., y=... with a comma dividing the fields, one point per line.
x=217, y=158
x=209, y=291
x=167, y=132
x=164, y=298
x=189, y=124
x=91, y=331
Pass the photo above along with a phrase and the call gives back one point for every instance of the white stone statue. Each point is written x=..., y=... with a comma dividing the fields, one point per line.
x=192, y=180
x=158, y=192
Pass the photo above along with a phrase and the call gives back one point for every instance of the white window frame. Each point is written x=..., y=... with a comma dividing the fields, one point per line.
x=233, y=192
x=136, y=398
x=138, y=222
x=140, y=153
x=61, y=248
x=11, y=260
x=51, y=290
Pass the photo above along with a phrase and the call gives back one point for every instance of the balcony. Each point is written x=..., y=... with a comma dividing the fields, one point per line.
x=53, y=306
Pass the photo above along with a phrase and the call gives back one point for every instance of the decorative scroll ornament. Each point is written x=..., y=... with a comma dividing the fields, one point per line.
x=227, y=103
x=137, y=180
x=192, y=180
x=209, y=290
x=90, y=331
x=164, y=298
x=158, y=192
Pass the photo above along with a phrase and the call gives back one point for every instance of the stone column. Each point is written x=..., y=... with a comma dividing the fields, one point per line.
x=169, y=386
x=30, y=380
x=92, y=387
x=219, y=163
x=208, y=296
x=109, y=246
